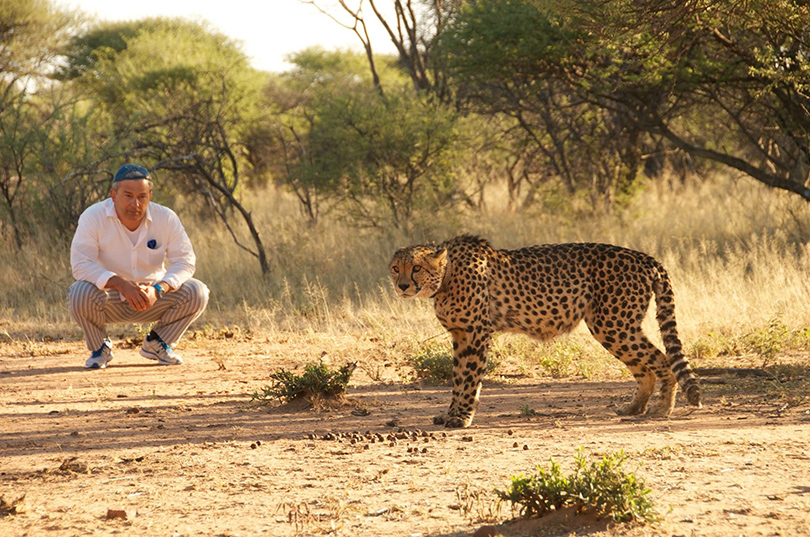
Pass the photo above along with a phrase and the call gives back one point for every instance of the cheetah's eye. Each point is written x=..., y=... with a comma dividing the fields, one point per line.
x=395, y=269
x=417, y=268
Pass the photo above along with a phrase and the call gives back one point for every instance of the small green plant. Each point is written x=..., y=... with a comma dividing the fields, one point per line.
x=526, y=411
x=560, y=358
x=316, y=383
x=769, y=341
x=602, y=488
x=713, y=345
x=434, y=363
x=538, y=494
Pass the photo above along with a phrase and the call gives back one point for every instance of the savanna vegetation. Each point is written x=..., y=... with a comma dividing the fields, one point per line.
x=681, y=131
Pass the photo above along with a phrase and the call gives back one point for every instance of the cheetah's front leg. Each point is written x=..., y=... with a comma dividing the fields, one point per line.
x=469, y=365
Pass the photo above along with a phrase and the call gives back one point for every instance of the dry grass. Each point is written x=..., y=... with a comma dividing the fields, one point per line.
x=736, y=251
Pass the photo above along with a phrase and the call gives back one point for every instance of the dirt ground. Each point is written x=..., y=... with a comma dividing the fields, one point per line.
x=140, y=449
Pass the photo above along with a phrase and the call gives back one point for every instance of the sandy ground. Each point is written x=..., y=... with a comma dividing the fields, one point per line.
x=140, y=449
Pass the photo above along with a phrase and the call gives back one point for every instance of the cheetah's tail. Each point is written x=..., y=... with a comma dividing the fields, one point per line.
x=665, y=314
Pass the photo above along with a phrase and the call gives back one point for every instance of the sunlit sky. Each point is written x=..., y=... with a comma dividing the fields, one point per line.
x=267, y=29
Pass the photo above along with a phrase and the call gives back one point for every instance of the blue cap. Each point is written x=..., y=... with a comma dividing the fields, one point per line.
x=131, y=171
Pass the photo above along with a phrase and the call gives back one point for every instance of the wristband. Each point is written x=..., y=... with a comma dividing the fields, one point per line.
x=159, y=290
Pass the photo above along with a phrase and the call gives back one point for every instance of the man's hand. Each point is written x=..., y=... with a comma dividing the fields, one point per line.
x=138, y=296
x=151, y=295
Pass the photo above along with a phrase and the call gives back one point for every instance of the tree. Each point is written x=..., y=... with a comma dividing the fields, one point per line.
x=293, y=99
x=187, y=95
x=502, y=58
x=32, y=33
x=378, y=157
x=412, y=28
x=723, y=81
x=384, y=159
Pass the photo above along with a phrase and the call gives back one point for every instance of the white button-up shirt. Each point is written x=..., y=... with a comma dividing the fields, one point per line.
x=102, y=249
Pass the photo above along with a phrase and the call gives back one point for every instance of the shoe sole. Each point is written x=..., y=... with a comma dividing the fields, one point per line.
x=97, y=365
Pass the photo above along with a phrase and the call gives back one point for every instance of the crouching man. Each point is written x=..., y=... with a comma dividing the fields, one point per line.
x=133, y=262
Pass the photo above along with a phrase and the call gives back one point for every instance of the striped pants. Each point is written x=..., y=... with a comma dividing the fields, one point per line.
x=93, y=308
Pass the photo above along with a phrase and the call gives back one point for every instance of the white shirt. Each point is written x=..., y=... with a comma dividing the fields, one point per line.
x=102, y=249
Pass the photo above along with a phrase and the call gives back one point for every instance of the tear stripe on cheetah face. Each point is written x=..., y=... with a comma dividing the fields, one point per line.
x=417, y=271
x=543, y=291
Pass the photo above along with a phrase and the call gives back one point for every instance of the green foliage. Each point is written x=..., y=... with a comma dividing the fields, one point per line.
x=560, y=357
x=607, y=83
x=606, y=489
x=525, y=59
x=434, y=363
x=318, y=382
x=502, y=43
x=527, y=412
x=382, y=158
x=602, y=488
x=538, y=494
x=32, y=32
x=768, y=342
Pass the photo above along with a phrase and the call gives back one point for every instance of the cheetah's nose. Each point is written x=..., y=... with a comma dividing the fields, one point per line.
x=404, y=286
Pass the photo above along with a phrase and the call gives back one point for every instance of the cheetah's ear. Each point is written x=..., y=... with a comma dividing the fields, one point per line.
x=439, y=256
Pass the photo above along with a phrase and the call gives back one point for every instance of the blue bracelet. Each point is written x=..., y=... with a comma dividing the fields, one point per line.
x=159, y=289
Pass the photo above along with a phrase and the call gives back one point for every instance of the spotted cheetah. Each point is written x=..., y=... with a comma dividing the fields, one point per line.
x=543, y=291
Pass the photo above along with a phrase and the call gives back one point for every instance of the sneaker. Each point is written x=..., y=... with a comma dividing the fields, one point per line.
x=100, y=358
x=155, y=348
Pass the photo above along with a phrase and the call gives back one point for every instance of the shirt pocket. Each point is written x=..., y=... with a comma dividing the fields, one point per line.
x=156, y=257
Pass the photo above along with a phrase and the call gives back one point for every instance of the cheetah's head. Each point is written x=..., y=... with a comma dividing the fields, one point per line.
x=417, y=271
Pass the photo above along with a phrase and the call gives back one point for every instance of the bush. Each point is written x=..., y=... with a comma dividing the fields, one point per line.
x=318, y=382
x=434, y=363
x=538, y=494
x=601, y=488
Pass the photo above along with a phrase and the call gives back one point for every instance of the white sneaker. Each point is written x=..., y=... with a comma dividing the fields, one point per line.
x=100, y=358
x=155, y=348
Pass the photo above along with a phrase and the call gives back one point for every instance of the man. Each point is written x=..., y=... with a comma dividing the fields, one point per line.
x=133, y=262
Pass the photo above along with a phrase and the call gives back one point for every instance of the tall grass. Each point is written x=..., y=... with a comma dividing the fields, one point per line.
x=737, y=253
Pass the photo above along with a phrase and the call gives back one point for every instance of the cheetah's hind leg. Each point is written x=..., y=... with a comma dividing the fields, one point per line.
x=646, y=384
x=669, y=387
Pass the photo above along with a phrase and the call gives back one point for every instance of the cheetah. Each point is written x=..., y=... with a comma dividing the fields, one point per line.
x=543, y=291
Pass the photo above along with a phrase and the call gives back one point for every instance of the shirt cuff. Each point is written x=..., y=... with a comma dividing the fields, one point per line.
x=101, y=283
x=171, y=282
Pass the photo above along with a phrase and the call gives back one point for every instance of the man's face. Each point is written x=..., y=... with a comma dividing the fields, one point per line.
x=130, y=198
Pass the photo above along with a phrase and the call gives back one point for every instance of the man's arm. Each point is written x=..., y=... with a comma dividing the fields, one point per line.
x=180, y=258
x=84, y=253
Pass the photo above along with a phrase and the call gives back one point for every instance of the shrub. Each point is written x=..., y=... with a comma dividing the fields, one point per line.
x=434, y=363
x=538, y=494
x=316, y=383
x=768, y=342
x=602, y=488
